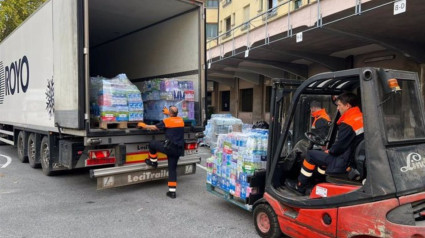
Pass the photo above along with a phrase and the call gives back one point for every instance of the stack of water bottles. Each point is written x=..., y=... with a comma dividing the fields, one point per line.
x=219, y=124
x=115, y=100
x=235, y=158
x=160, y=93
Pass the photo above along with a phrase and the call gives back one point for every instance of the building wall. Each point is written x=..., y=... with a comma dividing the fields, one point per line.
x=257, y=113
x=211, y=18
x=212, y=15
x=235, y=10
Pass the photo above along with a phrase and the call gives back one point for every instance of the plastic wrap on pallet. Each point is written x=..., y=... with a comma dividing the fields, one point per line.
x=236, y=157
x=115, y=100
x=160, y=93
x=219, y=124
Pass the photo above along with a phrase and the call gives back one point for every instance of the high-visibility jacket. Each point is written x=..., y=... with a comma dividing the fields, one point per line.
x=174, y=130
x=320, y=125
x=350, y=133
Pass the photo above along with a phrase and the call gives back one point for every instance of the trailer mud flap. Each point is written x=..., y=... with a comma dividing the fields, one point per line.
x=133, y=174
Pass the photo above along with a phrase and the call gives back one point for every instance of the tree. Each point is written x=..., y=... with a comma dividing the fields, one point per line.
x=14, y=12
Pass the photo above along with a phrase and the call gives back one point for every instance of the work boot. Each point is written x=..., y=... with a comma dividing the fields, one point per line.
x=152, y=164
x=171, y=194
x=294, y=187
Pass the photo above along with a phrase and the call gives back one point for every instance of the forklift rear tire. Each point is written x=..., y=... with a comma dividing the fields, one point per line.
x=22, y=156
x=266, y=222
x=46, y=162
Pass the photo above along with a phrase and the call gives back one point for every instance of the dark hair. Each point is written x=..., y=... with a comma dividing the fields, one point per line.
x=315, y=104
x=350, y=98
x=261, y=125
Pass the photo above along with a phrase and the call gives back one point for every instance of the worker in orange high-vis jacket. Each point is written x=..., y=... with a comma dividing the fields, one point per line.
x=321, y=119
x=173, y=146
x=336, y=159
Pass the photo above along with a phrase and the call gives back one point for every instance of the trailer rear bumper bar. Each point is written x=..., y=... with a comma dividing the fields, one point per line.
x=140, y=173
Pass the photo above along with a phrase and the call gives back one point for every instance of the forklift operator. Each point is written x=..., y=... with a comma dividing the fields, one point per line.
x=337, y=158
x=320, y=125
x=173, y=146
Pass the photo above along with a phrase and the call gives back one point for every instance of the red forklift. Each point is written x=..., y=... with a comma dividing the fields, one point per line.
x=386, y=195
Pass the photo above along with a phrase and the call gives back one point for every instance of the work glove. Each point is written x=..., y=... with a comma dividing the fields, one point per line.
x=141, y=124
x=166, y=111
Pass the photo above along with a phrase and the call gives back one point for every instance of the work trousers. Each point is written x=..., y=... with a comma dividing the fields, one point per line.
x=315, y=159
x=173, y=153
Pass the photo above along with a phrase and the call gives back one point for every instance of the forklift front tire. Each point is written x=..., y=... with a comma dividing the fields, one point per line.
x=266, y=223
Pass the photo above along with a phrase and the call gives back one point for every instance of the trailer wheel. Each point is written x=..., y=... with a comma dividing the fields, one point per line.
x=22, y=156
x=46, y=163
x=266, y=222
x=34, y=151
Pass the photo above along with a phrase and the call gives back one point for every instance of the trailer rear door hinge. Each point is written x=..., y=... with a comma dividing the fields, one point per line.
x=85, y=50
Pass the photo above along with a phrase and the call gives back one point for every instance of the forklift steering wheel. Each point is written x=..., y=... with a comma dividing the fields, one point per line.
x=314, y=138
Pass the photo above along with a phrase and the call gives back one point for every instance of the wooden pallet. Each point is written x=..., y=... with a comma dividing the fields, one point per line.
x=115, y=125
x=228, y=197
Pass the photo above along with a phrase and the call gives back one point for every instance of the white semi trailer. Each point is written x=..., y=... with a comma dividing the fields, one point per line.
x=45, y=69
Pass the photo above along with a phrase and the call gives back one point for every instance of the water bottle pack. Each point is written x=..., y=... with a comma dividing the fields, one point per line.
x=160, y=93
x=235, y=158
x=115, y=99
x=217, y=125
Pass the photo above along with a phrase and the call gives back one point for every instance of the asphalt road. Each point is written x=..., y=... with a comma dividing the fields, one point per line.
x=68, y=205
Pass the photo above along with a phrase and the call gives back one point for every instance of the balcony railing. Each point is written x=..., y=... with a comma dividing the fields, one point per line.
x=265, y=18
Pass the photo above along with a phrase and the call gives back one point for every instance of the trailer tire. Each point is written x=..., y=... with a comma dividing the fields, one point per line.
x=20, y=144
x=46, y=162
x=34, y=151
x=266, y=222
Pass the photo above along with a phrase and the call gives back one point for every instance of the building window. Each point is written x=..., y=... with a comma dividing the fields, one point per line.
x=298, y=3
x=260, y=5
x=209, y=98
x=212, y=3
x=268, y=98
x=228, y=26
x=272, y=4
x=272, y=11
x=226, y=2
x=245, y=17
x=246, y=100
x=225, y=101
x=211, y=30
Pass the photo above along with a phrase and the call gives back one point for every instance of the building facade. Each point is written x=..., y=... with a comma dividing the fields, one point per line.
x=263, y=39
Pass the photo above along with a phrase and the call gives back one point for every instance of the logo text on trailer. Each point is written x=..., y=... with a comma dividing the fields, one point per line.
x=413, y=161
x=17, y=77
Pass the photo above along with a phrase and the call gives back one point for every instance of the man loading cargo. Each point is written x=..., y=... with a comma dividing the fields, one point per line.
x=173, y=146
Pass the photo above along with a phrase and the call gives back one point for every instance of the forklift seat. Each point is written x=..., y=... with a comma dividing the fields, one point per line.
x=356, y=171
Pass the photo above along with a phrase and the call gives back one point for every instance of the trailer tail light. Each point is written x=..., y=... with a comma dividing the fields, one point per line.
x=190, y=148
x=100, y=157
